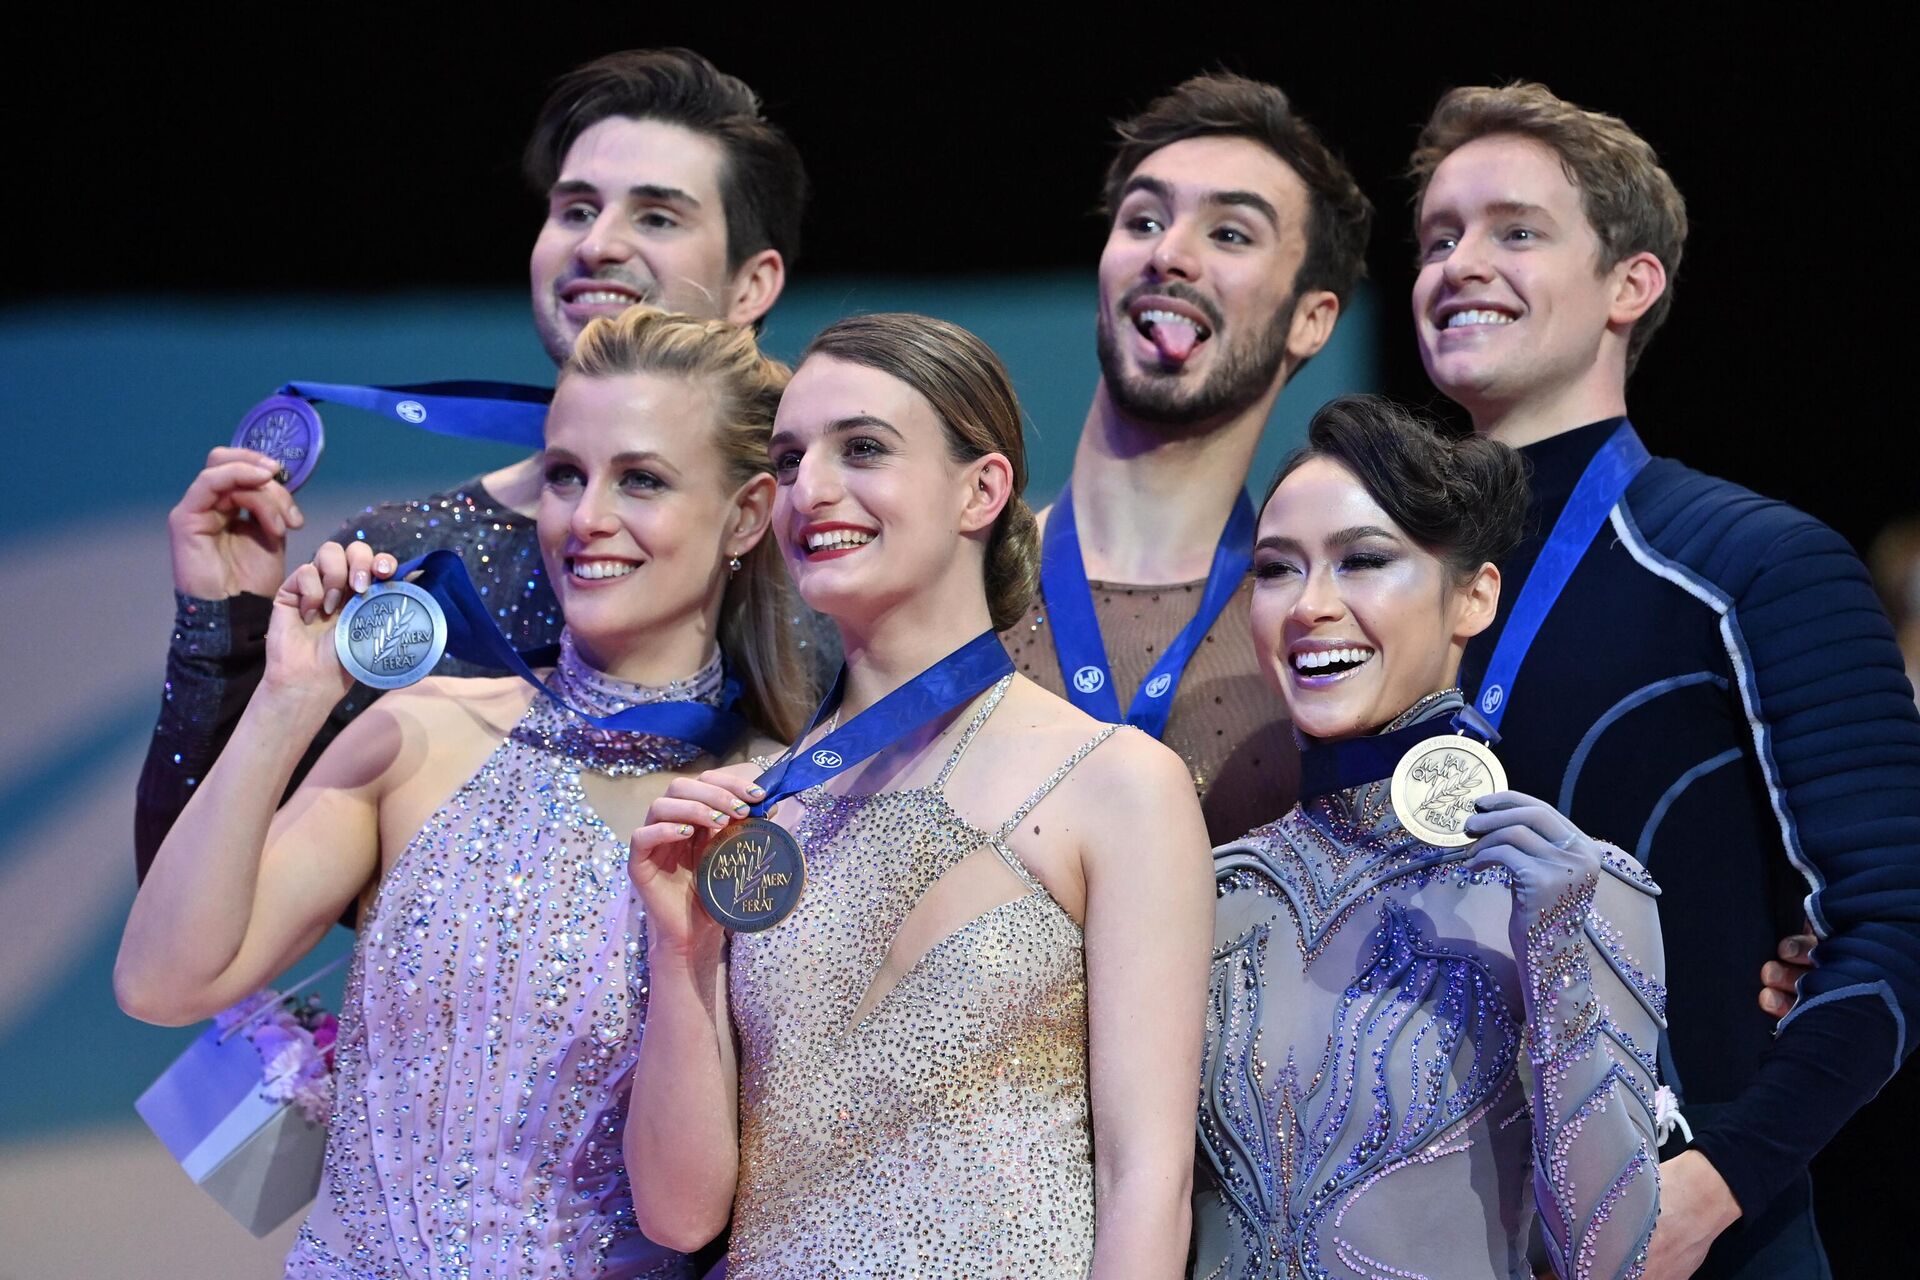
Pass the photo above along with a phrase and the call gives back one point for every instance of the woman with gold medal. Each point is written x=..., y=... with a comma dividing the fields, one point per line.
x=971, y=1049
x=1435, y=1003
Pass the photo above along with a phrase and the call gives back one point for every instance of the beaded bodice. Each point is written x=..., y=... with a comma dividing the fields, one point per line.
x=492, y=1019
x=1364, y=1112
x=942, y=1128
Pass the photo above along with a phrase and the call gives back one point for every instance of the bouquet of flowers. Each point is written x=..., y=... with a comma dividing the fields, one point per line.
x=294, y=1039
x=244, y=1109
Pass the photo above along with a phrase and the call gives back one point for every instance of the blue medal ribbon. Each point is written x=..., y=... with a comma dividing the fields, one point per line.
x=1330, y=766
x=504, y=412
x=951, y=682
x=472, y=636
x=1600, y=487
x=1076, y=627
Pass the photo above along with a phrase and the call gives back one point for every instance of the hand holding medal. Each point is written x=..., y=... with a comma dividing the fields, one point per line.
x=313, y=613
x=702, y=843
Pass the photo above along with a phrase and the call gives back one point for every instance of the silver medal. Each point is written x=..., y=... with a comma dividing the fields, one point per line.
x=390, y=635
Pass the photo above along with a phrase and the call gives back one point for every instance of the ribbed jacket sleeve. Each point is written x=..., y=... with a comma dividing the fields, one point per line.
x=1837, y=736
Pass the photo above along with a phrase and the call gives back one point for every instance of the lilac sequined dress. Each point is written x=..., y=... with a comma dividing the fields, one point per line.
x=491, y=1022
x=1388, y=1092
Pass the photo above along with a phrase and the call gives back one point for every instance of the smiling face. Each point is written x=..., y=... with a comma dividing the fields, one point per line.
x=1511, y=304
x=638, y=516
x=1354, y=621
x=634, y=216
x=1196, y=281
x=872, y=509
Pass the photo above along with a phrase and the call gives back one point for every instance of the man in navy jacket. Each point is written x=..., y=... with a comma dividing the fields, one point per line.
x=1714, y=688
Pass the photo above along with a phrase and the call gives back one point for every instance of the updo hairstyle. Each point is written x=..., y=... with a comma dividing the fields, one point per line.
x=1462, y=498
x=969, y=388
x=757, y=612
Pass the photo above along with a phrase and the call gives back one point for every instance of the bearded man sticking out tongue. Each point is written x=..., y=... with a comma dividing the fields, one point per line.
x=1236, y=238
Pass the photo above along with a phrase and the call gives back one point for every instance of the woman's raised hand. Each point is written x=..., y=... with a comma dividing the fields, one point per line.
x=666, y=854
x=1553, y=866
x=300, y=653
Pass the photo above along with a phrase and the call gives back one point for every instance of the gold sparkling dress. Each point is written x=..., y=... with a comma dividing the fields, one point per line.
x=491, y=1022
x=937, y=1127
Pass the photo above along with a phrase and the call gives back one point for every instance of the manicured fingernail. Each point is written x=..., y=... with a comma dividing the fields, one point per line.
x=756, y=789
x=739, y=806
x=296, y=518
x=385, y=564
x=685, y=830
x=362, y=580
x=332, y=601
x=719, y=816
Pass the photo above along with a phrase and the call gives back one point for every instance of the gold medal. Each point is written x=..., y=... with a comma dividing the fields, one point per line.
x=752, y=875
x=1437, y=781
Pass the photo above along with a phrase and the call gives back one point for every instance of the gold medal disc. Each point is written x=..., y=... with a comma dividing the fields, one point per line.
x=1435, y=784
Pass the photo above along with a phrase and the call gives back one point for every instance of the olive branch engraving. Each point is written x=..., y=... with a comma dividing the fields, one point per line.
x=747, y=882
x=1450, y=777
x=273, y=435
x=386, y=635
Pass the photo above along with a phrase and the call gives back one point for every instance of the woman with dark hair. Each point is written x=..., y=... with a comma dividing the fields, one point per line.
x=498, y=988
x=972, y=1049
x=1388, y=950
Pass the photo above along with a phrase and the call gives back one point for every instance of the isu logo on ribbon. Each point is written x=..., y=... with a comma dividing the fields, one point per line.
x=1089, y=679
x=827, y=759
x=411, y=410
x=1491, y=699
x=1158, y=686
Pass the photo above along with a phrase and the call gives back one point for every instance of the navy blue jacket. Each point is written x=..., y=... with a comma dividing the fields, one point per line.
x=1719, y=693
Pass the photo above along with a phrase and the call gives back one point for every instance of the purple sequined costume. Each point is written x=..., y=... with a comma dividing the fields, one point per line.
x=491, y=1023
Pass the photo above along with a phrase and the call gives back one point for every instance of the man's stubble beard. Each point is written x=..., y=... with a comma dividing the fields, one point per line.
x=1241, y=377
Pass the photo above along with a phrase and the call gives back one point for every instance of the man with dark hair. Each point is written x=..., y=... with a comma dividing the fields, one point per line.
x=1690, y=670
x=664, y=184
x=1236, y=237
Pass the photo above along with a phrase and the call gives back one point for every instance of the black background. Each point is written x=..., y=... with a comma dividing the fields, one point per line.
x=355, y=153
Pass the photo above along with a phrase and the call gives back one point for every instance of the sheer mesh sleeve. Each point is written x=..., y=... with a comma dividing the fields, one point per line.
x=1593, y=978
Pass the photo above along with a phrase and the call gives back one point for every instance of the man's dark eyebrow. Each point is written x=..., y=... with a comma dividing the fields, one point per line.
x=639, y=191
x=1246, y=200
x=1152, y=186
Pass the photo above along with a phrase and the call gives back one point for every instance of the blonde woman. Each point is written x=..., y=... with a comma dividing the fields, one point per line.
x=497, y=995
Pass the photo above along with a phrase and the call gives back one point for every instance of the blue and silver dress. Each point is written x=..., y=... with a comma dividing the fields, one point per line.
x=1389, y=1091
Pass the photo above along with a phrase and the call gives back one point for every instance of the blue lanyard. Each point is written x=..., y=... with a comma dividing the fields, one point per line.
x=1600, y=487
x=951, y=682
x=504, y=412
x=473, y=637
x=1076, y=628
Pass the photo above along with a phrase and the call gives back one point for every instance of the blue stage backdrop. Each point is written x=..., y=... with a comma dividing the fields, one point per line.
x=109, y=407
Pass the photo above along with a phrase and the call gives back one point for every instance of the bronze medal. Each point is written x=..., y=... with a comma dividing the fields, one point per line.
x=1437, y=781
x=752, y=876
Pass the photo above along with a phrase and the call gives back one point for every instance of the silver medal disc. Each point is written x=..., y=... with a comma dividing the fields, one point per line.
x=391, y=635
x=1435, y=784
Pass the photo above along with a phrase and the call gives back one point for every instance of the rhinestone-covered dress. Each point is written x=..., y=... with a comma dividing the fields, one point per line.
x=1388, y=1091
x=946, y=1132
x=491, y=1022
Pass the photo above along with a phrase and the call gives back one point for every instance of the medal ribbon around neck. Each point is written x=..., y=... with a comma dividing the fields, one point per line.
x=450, y=609
x=753, y=873
x=1076, y=627
x=1599, y=489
